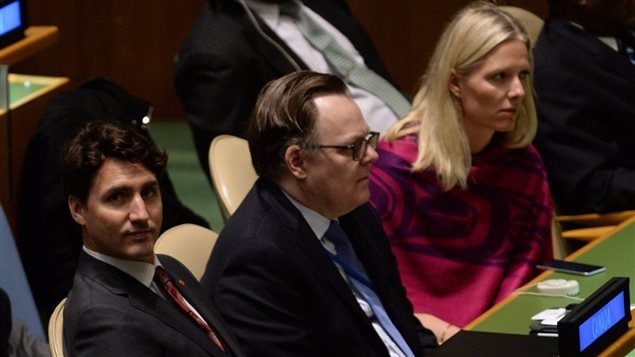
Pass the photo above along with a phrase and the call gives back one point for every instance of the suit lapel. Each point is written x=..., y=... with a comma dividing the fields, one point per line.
x=150, y=303
x=201, y=304
x=273, y=55
x=314, y=252
x=618, y=64
x=609, y=58
x=144, y=299
x=366, y=242
x=372, y=261
x=322, y=264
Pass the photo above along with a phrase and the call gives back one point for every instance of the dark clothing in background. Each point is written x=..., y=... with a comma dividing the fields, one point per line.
x=586, y=111
x=225, y=62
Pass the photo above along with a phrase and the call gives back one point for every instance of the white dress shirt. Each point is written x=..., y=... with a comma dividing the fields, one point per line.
x=377, y=114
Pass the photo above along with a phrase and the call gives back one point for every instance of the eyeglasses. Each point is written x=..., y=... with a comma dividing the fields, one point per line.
x=358, y=148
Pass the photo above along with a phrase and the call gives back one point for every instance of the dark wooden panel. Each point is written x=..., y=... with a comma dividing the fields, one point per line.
x=406, y=31
x=132, y=42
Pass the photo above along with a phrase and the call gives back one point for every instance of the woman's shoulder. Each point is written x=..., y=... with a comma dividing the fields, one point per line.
x=399, y=152
x=402, y=146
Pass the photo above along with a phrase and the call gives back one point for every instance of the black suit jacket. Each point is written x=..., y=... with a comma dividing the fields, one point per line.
x=225, y=62
x=283, y=296
x=109, y=313
x=586, y=110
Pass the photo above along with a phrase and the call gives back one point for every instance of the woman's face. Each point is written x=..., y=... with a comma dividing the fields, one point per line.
x=491, y=93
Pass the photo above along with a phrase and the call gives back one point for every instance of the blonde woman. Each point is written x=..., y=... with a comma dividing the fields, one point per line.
x=462, y=193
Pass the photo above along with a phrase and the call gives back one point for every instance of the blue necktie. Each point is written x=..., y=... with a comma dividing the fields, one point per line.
x=353, y=72
x=361, y=283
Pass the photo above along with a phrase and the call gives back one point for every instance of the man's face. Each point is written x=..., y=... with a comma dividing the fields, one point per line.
x=123, y=211
x=335, y=183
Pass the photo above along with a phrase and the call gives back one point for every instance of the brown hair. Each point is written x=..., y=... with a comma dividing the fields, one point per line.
x=85, y=152
x=285, y=115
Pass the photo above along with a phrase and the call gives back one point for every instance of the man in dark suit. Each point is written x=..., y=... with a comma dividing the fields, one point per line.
x=48, y=240
x=585, y=86
x=118, y=306
x=234, y=49
x=284, y=283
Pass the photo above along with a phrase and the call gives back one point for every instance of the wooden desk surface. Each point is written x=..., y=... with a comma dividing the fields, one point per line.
x=615, y=251
x=24, y=88
x=35, y=39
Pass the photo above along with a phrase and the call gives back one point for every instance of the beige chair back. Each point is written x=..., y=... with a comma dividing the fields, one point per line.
x=56, y=330
x=232, y=172
x=188, y=243
x=533, y=24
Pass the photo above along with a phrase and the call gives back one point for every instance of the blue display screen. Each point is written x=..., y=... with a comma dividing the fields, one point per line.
x=10, y=17
x=596, y=325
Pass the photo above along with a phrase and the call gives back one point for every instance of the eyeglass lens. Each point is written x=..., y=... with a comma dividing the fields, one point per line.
x=360, y=147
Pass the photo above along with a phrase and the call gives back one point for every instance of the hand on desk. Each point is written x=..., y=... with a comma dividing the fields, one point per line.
x=443, y=330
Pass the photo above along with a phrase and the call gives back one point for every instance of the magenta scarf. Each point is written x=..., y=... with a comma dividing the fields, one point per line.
x=459, y=252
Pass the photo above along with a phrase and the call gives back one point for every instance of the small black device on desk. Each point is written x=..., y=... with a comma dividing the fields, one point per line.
x=598, y=321
x=572, y=267
x=476, y=344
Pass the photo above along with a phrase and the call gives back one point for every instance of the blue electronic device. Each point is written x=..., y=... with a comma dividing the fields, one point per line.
x=598, y=321
x=12, y=21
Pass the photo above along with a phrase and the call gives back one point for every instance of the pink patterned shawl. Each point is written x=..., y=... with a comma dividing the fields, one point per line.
x=459, y=252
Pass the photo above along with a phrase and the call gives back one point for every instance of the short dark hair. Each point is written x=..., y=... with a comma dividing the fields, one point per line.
x=285, y=115
x=85, y=152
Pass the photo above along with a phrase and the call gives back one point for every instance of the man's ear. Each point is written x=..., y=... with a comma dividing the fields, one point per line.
x=295, y=161
x=76, y=208
x=453, y=84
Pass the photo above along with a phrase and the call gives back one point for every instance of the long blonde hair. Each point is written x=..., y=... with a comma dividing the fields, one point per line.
x=437, y=117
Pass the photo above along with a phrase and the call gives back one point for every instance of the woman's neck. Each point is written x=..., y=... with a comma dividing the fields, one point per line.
x=478, y=137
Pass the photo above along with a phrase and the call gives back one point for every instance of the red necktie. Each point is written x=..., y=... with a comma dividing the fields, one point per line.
x=162, y=278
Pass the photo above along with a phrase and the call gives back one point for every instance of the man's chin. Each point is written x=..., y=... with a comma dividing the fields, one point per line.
x=141, y=254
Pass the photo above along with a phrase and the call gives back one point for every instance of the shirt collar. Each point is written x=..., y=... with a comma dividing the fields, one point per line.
x=268, y=12
x=141, y=271
x=318, y=223
x=608, y=40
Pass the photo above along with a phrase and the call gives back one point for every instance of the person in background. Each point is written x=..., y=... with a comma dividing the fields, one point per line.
x=237, y=46
x=303, y=267
x=462, y=194
x=125, y=300
x=585, y=90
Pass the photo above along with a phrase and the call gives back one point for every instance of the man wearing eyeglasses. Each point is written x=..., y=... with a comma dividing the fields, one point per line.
x=303, y=267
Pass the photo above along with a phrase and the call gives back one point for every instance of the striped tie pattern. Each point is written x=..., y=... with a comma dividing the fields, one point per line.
x=162, y=278
x=352, y=71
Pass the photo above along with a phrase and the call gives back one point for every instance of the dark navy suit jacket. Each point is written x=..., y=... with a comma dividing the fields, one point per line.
x=586, y=110
x=283, y=296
